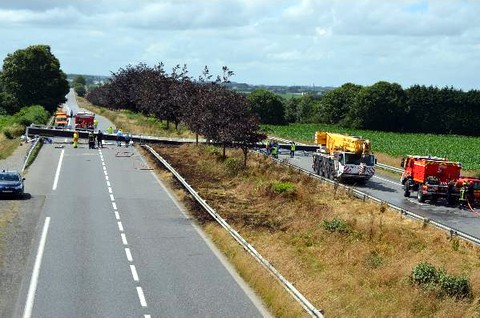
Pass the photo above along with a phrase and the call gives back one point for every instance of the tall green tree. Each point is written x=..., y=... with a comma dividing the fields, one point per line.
x=307, y=108
x=381, y=106
x=268, y=106
x=291, y=106
x=33, y=76
x=336, y=104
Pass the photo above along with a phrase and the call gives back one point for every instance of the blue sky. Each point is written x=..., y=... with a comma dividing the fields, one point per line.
x=275, y=42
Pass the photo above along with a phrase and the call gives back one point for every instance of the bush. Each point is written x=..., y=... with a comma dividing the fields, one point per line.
x=32, y=115
x=454, y=286
x=336, y=225
x=283, y=187
x=425, y=274
x=13, y=131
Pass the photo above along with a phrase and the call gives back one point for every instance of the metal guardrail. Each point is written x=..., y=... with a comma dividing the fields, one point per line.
x=33, y=145
x=389, y=168
x=312, y=310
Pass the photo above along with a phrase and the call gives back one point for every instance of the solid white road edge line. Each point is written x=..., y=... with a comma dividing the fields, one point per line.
x=143, y=302
x=57, y=173
x=36, y=271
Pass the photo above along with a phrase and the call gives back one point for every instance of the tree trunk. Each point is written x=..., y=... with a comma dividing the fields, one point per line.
x=196, y=139
x=245, y=154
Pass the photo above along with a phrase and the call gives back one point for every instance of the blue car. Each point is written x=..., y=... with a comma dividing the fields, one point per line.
x=11, y=183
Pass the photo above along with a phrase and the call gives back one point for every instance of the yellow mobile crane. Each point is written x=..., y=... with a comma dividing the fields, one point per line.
x=344, y=158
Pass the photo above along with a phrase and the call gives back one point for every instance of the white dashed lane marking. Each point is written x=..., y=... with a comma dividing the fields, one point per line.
x=124, y=239
x=143, y=302
x=128, y=253
x=134, y=272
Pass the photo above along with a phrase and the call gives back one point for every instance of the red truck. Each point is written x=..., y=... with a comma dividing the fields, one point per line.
x=429, y=176
x=84, y=120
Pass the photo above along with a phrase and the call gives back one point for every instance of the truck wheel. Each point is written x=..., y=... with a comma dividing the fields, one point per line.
x=420, y=196
x=406, y=189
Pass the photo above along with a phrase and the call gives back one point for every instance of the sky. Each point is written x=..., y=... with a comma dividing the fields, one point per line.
x=270, y=42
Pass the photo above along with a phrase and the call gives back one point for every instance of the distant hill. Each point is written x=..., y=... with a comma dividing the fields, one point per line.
x=239, y=87
x=279, y=89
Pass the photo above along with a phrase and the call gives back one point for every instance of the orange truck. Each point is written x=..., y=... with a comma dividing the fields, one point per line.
x=429, y=176
x=61, y=119
x=84, y=120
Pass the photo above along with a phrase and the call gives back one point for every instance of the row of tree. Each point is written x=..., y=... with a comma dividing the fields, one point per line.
x=32, y=76
x=382, y=106
x=205, y=106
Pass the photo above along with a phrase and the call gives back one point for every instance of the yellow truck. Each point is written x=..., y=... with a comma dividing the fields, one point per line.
x=343, y=158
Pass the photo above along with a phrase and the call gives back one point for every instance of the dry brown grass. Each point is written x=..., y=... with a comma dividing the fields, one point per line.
x=361, y=272
x=8, y=212
x=7, y=146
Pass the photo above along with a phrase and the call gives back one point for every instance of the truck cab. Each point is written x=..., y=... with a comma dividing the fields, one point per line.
x=429, y=176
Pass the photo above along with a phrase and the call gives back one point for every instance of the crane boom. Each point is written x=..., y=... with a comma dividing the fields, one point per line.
x=337, y=142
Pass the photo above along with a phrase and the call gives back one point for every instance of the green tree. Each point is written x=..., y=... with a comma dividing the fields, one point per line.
x=8, y=104
x=80, y=89
x=307, y=107
x=381, y=106
x=79, y=79
x=268, y=106
x=33, y=76
x=291, y=106
x=336, y=104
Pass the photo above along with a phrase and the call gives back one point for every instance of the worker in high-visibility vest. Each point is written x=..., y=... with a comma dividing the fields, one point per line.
x=462, y=200
x=75, y=139
x=292, y=149
x=275, y=151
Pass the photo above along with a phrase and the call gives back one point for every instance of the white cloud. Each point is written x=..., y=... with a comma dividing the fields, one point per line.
x=268, y=41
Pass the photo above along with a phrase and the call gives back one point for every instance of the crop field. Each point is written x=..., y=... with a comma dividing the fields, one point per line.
x=456, y=148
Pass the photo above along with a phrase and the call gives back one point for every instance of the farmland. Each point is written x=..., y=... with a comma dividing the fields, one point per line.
x=457, y=148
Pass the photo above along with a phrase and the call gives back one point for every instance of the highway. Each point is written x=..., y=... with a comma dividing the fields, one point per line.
x=390, y=190
x=113, y=242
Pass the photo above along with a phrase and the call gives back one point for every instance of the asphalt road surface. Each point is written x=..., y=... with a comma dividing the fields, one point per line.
x=112, y=242
x=390, y=190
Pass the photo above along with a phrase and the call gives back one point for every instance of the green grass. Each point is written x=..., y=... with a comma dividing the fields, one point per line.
x=456, y=148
